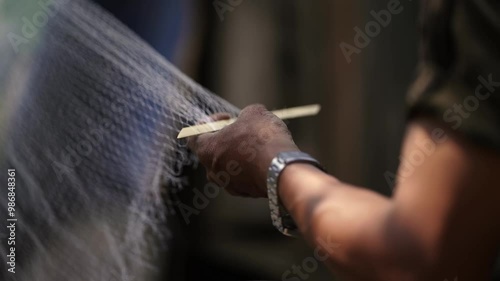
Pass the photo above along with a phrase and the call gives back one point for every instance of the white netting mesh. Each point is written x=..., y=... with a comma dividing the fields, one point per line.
x=90, y=115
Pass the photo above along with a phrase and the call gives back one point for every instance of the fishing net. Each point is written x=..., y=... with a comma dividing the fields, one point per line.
x=89, y=119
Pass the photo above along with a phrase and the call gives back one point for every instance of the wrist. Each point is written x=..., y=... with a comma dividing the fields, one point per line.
x=270, y=151
x=279, y=214
x=301, y=172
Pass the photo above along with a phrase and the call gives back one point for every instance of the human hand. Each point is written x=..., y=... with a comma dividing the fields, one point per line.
x=238, y=156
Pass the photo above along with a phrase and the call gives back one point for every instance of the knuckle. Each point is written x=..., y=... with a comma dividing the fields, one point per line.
x=253, y=109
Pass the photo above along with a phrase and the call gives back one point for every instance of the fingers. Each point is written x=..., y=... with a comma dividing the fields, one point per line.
x=220, y=116
x=198, y=144
x=193, y=142
x=256, y=126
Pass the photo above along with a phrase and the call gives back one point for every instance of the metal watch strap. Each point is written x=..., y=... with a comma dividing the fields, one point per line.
x=279, y=215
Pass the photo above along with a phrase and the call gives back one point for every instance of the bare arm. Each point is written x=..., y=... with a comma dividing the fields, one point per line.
x=440, y=224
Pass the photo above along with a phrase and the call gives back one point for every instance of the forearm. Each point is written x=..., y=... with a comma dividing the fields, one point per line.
x=350, y=224
x=447, y=190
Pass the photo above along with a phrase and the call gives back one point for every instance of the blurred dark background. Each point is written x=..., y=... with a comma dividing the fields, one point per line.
x=283, y=54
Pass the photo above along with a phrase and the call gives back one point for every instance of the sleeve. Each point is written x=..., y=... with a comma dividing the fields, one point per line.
x=458, y=80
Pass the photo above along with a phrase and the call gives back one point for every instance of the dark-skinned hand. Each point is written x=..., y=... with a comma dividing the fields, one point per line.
x=237, y=157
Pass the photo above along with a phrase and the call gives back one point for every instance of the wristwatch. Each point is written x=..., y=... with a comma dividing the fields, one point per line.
x=279, y=215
